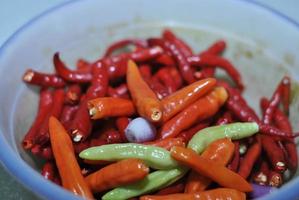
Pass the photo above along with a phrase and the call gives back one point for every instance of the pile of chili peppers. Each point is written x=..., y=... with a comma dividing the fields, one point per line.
x=197, y=122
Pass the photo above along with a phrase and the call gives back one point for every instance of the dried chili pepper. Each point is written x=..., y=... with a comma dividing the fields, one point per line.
x=275, y=179
x=216, y=61
x=186, y=135
x=110, y=107
x=220, y=152
x=234, y=164
x=44, y=106
x=165, y=60
x=67, y=114
x=73, y=94
x=121, y=124
x=44, y=152
x=226, y=118
x=159, y=89
x=63, y=150
x=120, y=91
x=70, y=75
x=208, y=168
x=261, y=177
x=286, y=93
x=216, y=48
x=83, y=65
x=220, y=193
x=145, y=100
x=121, y=173
x=203, y=108
x=167, y=81
x=48, y=171
x=179, y=100
x=42, y=79
x=42, y=137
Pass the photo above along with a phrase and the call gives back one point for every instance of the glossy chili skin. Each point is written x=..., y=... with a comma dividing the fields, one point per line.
x=42, y=79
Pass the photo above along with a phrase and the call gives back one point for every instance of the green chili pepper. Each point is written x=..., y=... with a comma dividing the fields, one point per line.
x=155, y=157
x=235, y=131
x=153, y=182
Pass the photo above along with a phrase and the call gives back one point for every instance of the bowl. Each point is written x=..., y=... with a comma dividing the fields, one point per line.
x=262, y=43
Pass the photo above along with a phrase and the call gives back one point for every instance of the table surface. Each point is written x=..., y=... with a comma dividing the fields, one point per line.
x=14, y=13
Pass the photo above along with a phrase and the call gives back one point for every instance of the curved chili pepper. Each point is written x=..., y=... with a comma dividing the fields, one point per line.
x=121, y=91
x=44, y=80
x=44, y=152
x=63, y=150
x=146, y=72
x=220, y=152
x=159, y=89
x=44, y=106
x=208, y=168
x=226, y=118
x=73, y=94
x=216, y=61
x=67, y=115
x=121, y=124
x=175, y=74
x=167, y=81
x=216, y=48
x=186, y=135
x=70, y=75
x=220, y=193
x=81, y=125
x=184, y=47
x=146, y=54
x=249, y=159
x=185, y=69
x=42, y=137
x=155, y=157
x=123, y=43
x=109, y=136
x=167, y=143
x=145, y=100
x=203, y=108
x=234, y=164
x=179, y=100
x=165, y=60
x=110, y=107
x=205, y=72
x=121, y=173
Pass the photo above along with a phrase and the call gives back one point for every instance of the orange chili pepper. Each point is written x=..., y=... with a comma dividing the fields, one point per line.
x=66, y=161
x=145, y=100
x=117, y=174
x=208, y=168
x=167, y=143
x=179, y=100
x=219, y=194
x=110, y=107
x=220, y=152
x=203, y=108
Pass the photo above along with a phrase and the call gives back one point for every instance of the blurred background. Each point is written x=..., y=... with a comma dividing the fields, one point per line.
x=15, y=13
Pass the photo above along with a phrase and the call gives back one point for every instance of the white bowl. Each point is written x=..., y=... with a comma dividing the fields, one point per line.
x=262, y=43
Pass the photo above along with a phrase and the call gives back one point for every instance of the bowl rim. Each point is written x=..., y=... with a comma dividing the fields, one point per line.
x=29, y=178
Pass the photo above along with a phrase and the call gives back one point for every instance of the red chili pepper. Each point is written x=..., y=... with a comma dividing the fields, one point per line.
x=70, y=75
x=146, y=72
x=44, y=80
x=176, y=76
x=286, y=93
x=73, y=94
x=167, y=143
x=120, y=91
x=249, y=159
x=159, y=89
x=121, y=124
x=123, y=43
x=271, y=107
x=216, y=61
x=185, y=69
x=226, y=118
x=275, y=179
x=49, y=171
x=202, y=109
x=108, y=136
x=67, y=115
x=205, y=72
x=234, y=164
x=183, y=46
x=261, y=177
x=163, y=76
x=164, y=60
x=42, y=137
x=216, y=48
x=81, y=125
x=45, y=103
x=44, y=152
x=186, y=135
